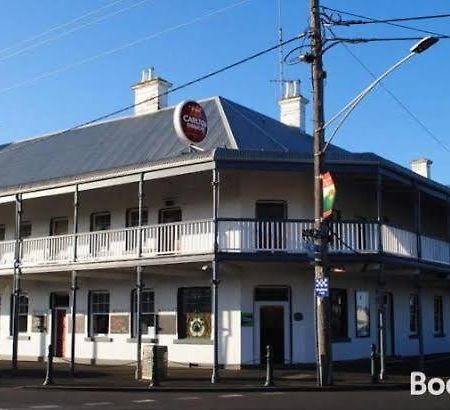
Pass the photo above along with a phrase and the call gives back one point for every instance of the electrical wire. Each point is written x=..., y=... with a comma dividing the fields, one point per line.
x=374, y=20
x=59, y=26
x=152, y=36
x=72, y=30
x=187, y=84
x=357, y=40
x=395, y=98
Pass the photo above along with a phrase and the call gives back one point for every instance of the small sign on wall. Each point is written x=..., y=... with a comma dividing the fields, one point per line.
x=246, y=319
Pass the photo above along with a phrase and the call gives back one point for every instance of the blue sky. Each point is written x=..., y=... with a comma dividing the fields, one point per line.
x=30, y=106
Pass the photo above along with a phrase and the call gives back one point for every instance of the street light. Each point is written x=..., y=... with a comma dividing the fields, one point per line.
x=417, y=48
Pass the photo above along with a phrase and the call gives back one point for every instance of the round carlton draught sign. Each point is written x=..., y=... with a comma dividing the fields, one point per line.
x=189, y=120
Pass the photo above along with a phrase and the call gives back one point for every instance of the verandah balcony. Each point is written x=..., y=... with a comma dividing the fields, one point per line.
x=234, y=236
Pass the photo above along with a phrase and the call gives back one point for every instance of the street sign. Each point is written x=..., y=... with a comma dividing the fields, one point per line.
x=328, y=195
x=321, y=288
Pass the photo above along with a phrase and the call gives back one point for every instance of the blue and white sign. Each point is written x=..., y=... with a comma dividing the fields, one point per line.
x=322, y=289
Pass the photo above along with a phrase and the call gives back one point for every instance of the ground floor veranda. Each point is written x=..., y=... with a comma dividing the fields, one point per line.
x=260, y=303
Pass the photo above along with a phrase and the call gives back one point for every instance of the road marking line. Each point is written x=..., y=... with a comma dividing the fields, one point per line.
x=45, y=406
x=143, y=401
x=98, y=403
x=189, y=398
x=227, y=396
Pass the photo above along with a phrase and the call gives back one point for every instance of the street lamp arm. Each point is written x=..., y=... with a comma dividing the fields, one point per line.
x=417, y=48
x=348, y=109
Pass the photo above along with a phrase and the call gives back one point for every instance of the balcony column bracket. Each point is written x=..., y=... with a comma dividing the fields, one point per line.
x=140, y=210
x=138, y=327
x=418, y=286
x=17, y=286
x=73, y=309
x=139, y=282
x=76, y=205
x=418, y=219
x=215, y=277
x=381, y=282
x=380, y=211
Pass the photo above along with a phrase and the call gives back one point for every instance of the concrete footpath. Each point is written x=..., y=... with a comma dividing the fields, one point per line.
x=347, y=376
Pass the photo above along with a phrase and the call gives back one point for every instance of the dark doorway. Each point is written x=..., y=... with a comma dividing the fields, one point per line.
x=389, y=338
x=272, y=332
x=59, y=303
x=60, y=332
x=269, y=226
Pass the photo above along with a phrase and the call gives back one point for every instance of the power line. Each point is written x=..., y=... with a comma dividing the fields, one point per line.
x=72, y=30
x=65, y=24
x=391, y=20
x=187, y=84
x=356, y=40
x=50, y=73
x=374, y=20
x=395, y=98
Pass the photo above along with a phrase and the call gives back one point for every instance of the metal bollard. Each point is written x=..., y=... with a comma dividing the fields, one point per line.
x=154, y=376
x=49, y=376
x=373, y=363
x=269, y=367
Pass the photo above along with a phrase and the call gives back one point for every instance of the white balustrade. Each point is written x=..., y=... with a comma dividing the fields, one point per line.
x=246, y=236
x=435, y=250
x=7, y=253
x=50, y=249
x=352, y=237
x=234, y=235
x=399, y=241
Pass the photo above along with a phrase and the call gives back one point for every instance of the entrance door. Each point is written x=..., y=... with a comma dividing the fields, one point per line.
x=60, y=332
x=169, y=235
x=272, y=332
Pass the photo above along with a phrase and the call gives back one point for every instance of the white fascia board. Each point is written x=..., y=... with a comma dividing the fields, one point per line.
x=182, y=170
x=7, y=198
x=128, y=179
x=49, y=192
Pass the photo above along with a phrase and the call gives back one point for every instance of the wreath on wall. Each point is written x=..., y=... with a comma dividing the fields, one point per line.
x=198, y=326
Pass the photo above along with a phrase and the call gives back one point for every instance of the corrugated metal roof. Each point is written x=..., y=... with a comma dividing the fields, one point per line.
x=104, y=146
x=141, y=140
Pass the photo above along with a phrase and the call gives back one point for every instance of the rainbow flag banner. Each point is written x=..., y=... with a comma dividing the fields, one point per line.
x=328, y=195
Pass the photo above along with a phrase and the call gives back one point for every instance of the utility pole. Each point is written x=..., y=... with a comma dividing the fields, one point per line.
x=320, y=242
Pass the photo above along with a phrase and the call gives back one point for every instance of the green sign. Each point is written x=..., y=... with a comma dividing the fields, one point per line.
x=246, y=319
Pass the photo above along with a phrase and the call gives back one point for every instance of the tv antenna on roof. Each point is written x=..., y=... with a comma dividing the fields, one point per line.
x=281, y=78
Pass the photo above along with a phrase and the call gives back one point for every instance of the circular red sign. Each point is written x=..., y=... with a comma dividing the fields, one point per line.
x=190, y=122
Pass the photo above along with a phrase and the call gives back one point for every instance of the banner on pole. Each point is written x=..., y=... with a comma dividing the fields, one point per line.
x=328, y=195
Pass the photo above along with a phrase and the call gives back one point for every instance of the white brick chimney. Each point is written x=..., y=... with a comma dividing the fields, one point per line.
x=292, y=105
x=150, y=87
x=422, y=167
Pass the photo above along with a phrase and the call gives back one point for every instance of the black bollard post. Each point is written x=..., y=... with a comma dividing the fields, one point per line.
x=49, y=376
x=269, y=367
x=373, y=363
x=154, y=376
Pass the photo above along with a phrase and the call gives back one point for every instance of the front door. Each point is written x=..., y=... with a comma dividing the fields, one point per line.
x=272, y=332
x=60, y=332
x=388, y=324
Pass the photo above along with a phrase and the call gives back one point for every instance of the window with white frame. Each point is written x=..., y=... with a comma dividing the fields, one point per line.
x=98, y=313
x=147, y=312
x=22, y=314
x=362, y=313
x=414, y=314
x=438, y=316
